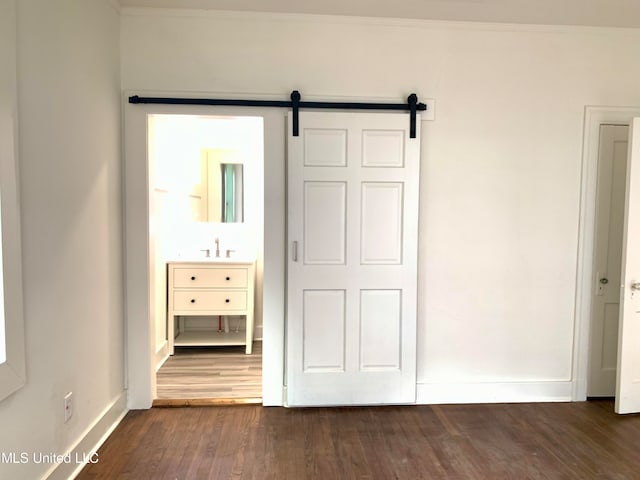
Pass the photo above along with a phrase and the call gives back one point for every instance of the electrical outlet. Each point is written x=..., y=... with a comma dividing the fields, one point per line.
x=68, y=406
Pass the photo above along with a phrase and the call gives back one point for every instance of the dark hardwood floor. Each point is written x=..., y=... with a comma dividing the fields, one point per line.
x=585, y=441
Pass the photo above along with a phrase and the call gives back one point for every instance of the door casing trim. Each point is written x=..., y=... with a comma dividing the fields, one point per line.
x=594, y=117
x=139, y=331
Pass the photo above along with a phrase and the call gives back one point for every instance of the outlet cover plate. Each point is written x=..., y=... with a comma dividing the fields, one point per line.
x=68, y=406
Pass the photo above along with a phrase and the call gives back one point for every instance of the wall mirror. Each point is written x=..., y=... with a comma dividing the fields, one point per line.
x=218, y=191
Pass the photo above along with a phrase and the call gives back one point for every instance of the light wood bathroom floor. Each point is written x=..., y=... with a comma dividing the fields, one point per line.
x=211, y=373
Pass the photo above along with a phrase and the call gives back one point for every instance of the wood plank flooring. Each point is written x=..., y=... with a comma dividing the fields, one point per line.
x=211, y=373
x=583, y=440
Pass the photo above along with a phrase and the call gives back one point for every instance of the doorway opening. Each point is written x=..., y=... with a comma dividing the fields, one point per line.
x=607, y=260
x=206, y=218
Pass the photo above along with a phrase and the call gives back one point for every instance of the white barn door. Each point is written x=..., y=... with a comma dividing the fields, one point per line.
x=628, y=373
x=353, y=181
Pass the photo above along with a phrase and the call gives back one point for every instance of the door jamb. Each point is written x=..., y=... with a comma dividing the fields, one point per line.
x=593, y=118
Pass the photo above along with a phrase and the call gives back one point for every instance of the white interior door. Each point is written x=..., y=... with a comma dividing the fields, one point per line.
x=603, y=348
x=352, y=268
x=628, y=376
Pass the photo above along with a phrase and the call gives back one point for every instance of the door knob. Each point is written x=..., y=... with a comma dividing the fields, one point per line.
x=635, y=286
x=604, y=281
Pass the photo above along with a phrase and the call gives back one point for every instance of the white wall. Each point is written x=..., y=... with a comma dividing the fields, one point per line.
x=500, y=185
x=70, y=182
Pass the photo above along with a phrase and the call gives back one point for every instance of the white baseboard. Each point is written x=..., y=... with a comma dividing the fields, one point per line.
x=257, y=332
x=87, y=445
x=508, y=392
x=161, y=355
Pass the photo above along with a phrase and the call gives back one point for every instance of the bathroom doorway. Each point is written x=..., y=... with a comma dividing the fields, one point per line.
x=206, y=218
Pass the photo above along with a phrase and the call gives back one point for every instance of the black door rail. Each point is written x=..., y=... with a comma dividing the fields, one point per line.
x=412, y=105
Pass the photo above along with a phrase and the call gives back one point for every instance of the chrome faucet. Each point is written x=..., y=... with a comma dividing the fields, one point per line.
x=217, y=248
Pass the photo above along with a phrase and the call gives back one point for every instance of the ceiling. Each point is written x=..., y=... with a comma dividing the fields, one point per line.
x=608, y=13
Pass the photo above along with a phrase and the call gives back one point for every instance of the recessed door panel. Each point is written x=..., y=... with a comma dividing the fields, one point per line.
x=382, y=148
x=380, y=340
x=325, y=147
x=324, y=322
x=325, y=222
x=381, y=230
x=610, y=336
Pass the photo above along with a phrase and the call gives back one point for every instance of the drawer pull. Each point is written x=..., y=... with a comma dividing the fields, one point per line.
x=228, y=278
x=193, y=300
x=227, y=300
x=193, y=278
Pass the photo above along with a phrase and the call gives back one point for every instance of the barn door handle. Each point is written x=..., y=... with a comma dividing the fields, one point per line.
x=294, y=251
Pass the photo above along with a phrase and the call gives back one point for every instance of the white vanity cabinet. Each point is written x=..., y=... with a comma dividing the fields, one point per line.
x=209, y=289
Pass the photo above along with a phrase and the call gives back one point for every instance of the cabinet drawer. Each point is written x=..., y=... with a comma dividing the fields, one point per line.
x=198, y=300
x=210, y=277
